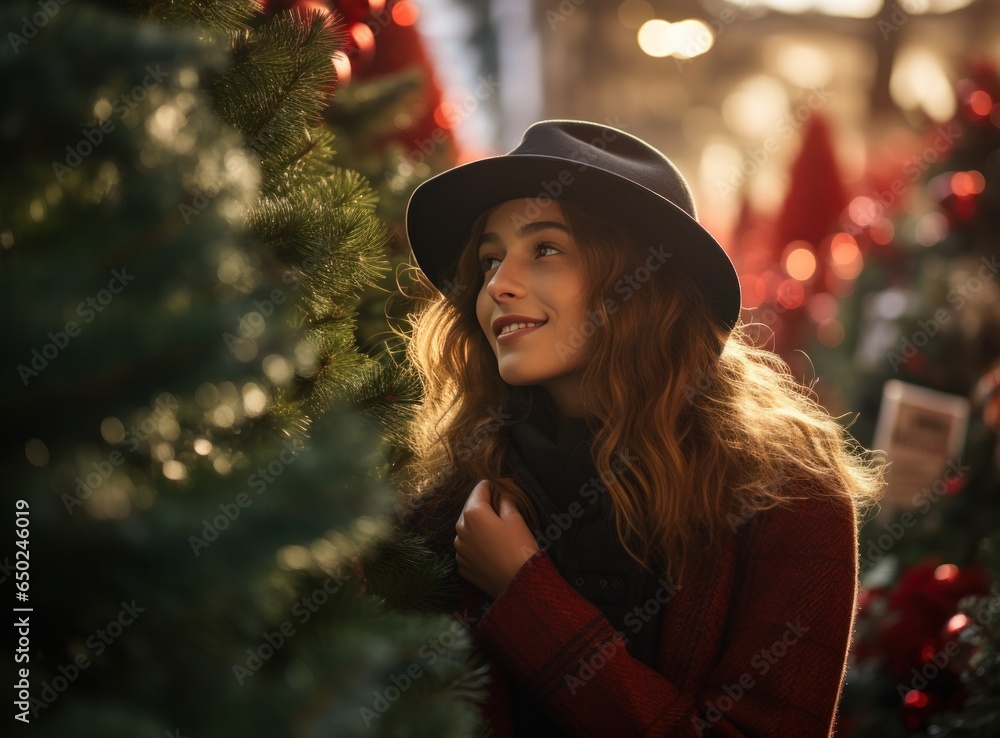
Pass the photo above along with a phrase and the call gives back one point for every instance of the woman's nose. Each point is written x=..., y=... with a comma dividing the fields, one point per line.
x=507, y=279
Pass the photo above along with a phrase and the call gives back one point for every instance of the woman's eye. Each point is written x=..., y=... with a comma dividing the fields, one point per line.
x=539, y=247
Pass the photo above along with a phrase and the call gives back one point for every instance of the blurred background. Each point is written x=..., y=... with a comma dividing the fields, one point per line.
x=201, y=221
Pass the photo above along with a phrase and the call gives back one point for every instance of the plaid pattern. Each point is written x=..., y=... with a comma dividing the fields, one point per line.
x=754, y=644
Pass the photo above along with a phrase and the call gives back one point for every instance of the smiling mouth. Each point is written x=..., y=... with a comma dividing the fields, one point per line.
x=509, y=332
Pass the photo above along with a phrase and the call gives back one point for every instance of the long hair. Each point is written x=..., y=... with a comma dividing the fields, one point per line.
x=695, y=428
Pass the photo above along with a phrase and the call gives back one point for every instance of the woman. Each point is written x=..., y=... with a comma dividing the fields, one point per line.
x=655, y=523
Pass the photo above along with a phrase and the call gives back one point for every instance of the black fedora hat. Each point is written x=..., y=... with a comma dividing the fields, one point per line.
x=607, y=169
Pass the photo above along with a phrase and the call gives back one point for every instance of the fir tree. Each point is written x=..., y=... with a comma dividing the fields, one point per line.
x=198, y=446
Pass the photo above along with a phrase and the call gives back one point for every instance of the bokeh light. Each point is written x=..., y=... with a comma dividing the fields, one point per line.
x=920, y=82
x=799, y=261
x=405, y=13
x=755, y=105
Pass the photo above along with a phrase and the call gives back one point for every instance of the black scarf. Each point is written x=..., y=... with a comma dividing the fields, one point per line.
x=549, y=454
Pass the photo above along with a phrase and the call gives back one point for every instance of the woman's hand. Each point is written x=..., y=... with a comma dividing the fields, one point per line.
x=490, y=548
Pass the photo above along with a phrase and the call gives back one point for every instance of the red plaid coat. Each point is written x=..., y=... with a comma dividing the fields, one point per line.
x=754, y=644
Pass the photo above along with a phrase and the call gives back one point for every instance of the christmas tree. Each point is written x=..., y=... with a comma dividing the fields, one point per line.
x=198, y=448
x=925, y=657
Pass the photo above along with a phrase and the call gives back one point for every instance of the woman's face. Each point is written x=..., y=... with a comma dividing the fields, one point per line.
x=532, y=268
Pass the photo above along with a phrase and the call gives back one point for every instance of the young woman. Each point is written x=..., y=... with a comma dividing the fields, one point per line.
x=656, y=525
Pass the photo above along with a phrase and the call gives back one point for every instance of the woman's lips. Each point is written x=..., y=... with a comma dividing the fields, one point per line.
x=508, y=337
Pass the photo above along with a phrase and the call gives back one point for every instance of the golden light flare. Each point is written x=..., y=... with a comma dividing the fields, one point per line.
x=278, y=368
x=684, y=39
x=293, y=557
x=799, y=260
x=174, y=470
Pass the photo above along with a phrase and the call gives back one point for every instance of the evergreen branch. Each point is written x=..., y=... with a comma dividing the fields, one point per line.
x=278, y=85
x=220, y=18
x=409, y=576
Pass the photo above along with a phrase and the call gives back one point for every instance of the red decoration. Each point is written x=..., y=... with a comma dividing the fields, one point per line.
x=811, y=211
x=922, y=604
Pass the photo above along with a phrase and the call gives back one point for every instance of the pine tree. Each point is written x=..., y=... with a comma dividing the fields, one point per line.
x=198, y=450
x=924, y=660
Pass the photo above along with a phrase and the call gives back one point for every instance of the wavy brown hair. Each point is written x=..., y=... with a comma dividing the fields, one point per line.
x=696, y=429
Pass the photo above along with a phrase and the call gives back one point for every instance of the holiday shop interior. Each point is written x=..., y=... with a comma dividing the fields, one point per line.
x=208, y=396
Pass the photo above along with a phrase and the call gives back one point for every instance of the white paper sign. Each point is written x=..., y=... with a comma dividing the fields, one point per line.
x=920, y=430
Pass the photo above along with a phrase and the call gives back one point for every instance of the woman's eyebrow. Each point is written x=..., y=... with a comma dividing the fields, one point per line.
x=526, y=230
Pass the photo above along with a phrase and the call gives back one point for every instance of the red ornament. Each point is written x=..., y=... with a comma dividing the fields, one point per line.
x=923, y=603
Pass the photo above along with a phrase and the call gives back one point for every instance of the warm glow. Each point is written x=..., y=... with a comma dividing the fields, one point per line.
x=719, y=160
x=957, y=622
x=684, y=39
x=804, y=65
x=843, y=248
x=844, y=8
x=342, y=65
x=174, y=470
x=754, y=108
x=691, y=38
x=278, y=368
x=919, y=81
x=405, y=13
x=946, y=572
x=255, y=401
x=363, y=36
x=968, y=183
x=800, y=262
x=443, y=114
x=655, y=38
x=293, y=557
x=845, y=256
x=980, y=103
x=861, y=210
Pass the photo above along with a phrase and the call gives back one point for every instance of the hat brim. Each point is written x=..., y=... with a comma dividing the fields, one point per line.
x=441, y=211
